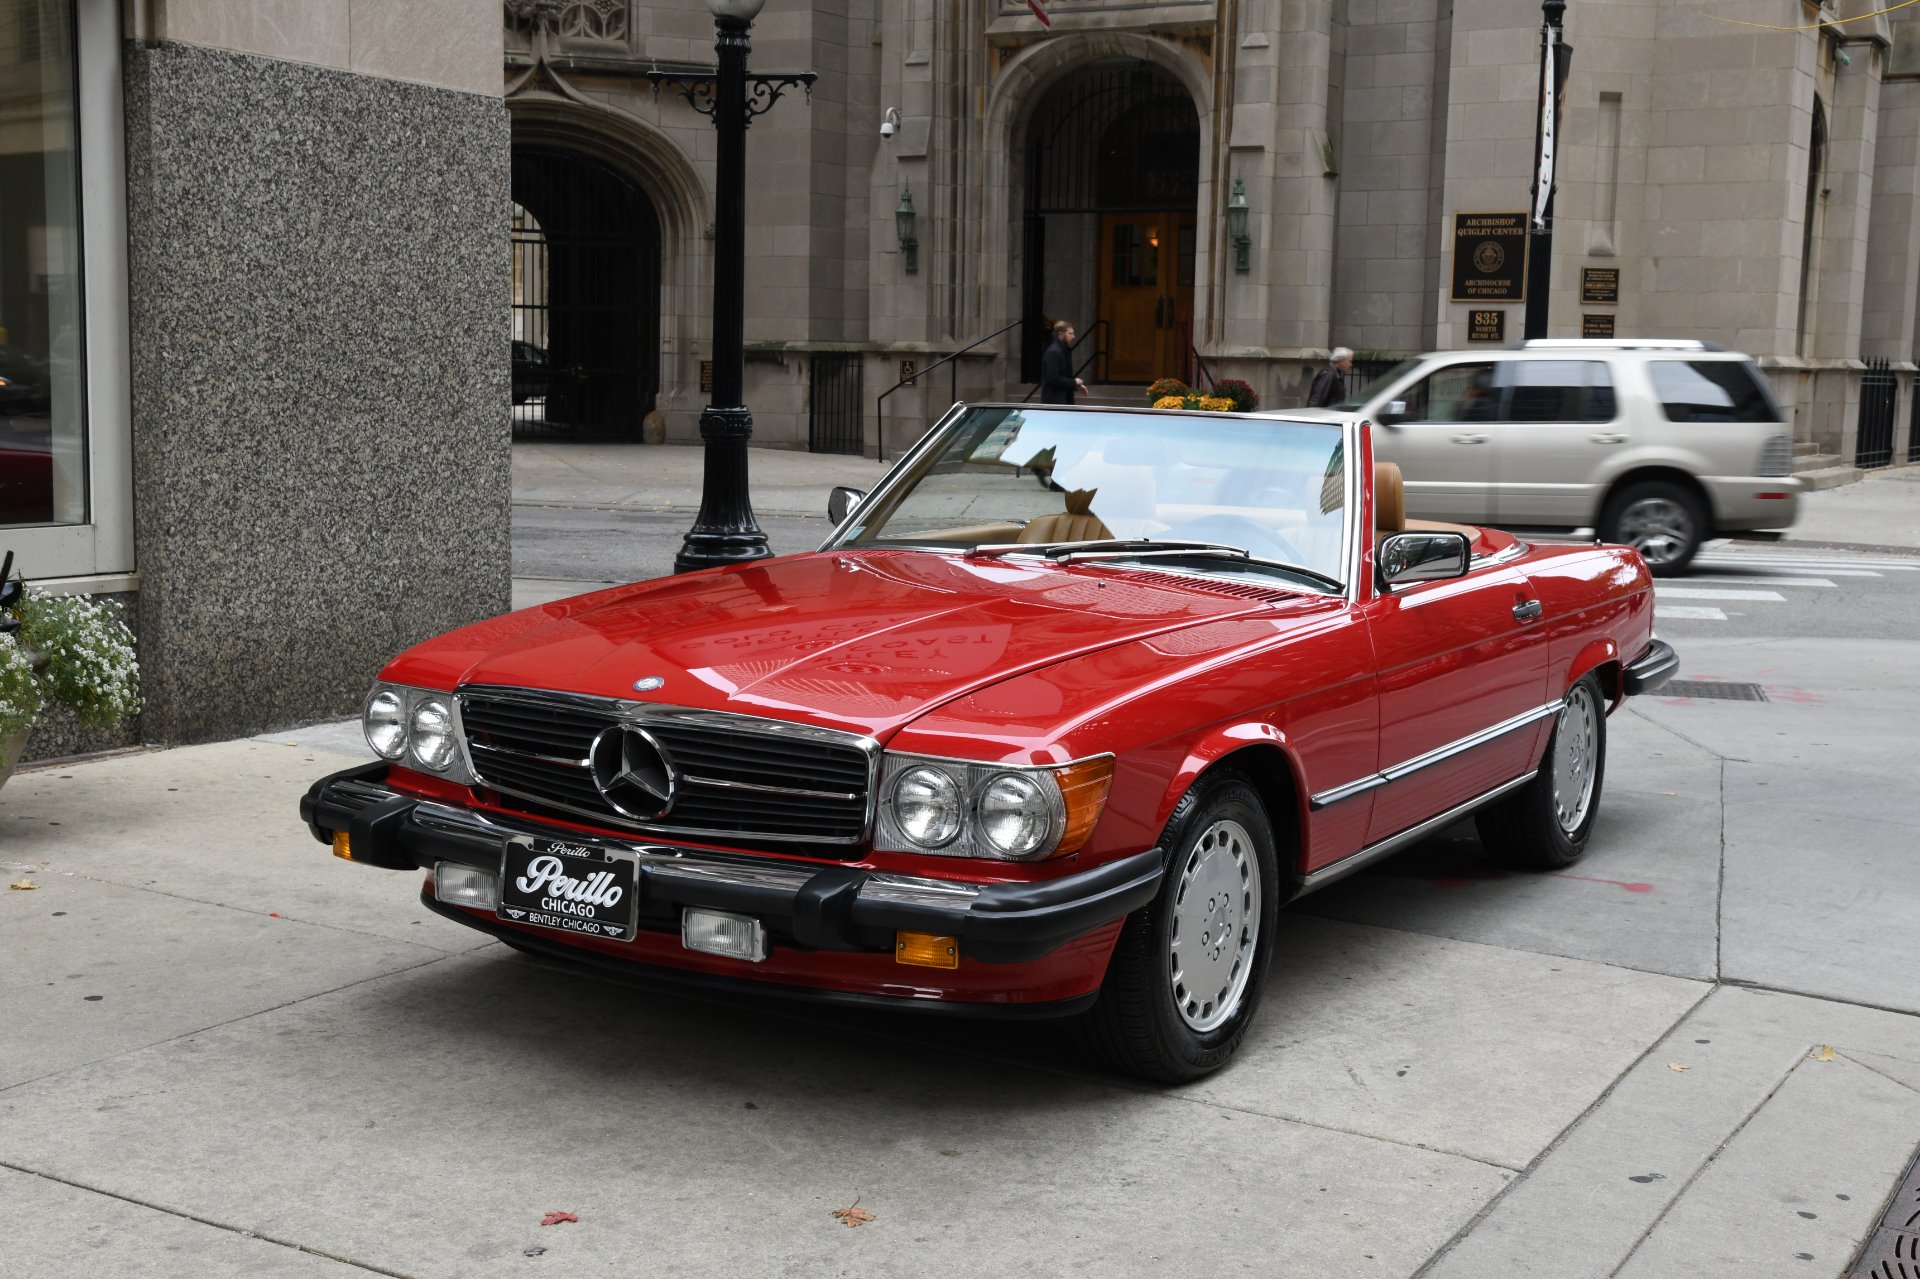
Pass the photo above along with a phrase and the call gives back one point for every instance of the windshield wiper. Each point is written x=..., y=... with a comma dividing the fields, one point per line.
x=1106, y=546
x=1138, y=548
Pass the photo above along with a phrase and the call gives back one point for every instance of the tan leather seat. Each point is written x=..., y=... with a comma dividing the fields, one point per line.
x=1077, y=523
x=1389, y=500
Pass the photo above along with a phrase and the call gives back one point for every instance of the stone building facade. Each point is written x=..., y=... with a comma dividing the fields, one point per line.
x=1751, y=183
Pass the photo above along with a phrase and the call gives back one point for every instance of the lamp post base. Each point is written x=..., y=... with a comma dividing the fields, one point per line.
x=725, y=531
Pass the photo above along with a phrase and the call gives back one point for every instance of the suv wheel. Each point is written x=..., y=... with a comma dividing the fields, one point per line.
x=1662, y=521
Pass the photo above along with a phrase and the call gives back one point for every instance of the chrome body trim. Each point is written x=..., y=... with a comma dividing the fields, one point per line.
x=1436, y=756
x=582, y=764
x=638, y=714
x=1394, y=843
x=488, y=832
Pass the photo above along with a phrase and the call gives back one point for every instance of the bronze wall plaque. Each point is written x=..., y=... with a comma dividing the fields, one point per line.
x=706, y=377
x=1600, y=286
x=1596, y=326
x=1489, y=257
x=1486, y=326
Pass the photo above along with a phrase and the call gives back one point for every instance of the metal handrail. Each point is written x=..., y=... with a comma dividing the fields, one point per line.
x=1098, y=353
x=953, y=385
x=1196, y=361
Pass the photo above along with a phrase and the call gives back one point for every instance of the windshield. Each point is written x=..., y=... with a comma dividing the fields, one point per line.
x=1013, y=478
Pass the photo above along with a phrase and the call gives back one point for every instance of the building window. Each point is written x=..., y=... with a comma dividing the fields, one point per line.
x=43, y=457
x=66, y=504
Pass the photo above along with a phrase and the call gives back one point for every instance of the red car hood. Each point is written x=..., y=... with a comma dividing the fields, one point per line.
x=853, y=640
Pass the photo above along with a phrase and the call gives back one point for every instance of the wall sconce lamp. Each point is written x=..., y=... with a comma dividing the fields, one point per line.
x=1237, y=226
x=903, y=219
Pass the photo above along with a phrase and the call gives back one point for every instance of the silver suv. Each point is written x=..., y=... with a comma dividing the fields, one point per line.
x=1656, y=444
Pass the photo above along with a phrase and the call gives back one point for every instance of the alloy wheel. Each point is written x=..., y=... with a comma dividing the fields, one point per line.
x=1574, y=757
x=1215, y=927
x=1660, y=528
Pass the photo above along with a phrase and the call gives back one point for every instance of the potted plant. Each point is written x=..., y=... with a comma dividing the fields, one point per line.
x=1245, y=398
x=60, y=649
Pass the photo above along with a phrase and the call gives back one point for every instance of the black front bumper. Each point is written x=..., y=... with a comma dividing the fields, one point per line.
x=807, y=904
x=1649, y=672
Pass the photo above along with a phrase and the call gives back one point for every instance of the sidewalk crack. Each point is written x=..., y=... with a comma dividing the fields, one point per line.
x=184, y=1215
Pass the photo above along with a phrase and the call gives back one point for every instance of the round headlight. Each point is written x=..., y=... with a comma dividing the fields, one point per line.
x=385, y=723
x=1014, y=814
x=431, y=738
x=926, y=805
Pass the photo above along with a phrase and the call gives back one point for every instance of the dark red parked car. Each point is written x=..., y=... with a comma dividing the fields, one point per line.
x=1053, y=725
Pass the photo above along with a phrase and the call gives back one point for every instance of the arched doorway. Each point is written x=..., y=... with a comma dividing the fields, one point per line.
x=1112, y=189
x=586, y=296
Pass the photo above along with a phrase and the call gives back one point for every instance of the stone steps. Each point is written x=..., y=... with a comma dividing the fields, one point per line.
x=1822, y=470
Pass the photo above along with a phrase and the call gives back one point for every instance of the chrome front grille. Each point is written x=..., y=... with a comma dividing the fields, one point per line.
x=735, y=776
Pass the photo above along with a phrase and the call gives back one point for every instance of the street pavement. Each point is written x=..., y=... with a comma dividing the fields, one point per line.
x=1697, y=1053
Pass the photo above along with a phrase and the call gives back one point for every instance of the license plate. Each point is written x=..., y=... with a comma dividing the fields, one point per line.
x=569, y=888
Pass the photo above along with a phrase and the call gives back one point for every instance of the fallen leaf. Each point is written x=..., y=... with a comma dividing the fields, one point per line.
x=555, y=1218
x=23, y=885
x=853, y=1215
x=1674, y=1065
x=1823, y=1053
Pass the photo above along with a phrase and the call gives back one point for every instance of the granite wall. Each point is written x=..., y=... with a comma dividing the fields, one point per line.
x=319, y=305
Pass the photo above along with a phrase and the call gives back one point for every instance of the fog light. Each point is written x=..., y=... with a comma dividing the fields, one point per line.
x=459, y=885
x=341, y=848
x=926, y=950
x=715, y=932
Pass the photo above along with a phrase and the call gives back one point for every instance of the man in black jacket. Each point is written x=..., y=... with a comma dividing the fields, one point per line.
x=1057, y=382
x=1330, y=384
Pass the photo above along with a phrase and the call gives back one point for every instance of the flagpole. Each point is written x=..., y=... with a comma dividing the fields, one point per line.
x=1553, y=55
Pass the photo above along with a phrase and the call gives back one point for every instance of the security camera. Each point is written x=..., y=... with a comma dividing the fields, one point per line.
x=889, y=122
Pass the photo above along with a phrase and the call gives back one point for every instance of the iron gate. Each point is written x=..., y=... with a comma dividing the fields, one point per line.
x=1913, y=421
x=834, y=422
x=586, y=298
x=1877, y=389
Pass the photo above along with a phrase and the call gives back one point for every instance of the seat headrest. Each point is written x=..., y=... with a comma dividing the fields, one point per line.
x=1389, y=498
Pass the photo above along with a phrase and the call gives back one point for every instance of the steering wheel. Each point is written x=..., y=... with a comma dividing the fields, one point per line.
x=1243, y=531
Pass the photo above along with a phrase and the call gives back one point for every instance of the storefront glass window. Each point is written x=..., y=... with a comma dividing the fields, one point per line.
x=43, y=456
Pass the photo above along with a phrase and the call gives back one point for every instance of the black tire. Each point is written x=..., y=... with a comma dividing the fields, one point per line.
x=1528, y=828
x=1138, y=1027
x=1663, y=521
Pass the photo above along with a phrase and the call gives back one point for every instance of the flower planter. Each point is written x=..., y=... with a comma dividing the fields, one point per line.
x=11, y=748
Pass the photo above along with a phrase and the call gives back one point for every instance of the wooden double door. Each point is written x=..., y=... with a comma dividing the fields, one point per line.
x=1146, y=293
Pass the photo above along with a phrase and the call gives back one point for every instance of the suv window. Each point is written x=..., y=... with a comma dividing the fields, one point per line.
x=1712, y=391
x=1560, y=391
x=1456, y=393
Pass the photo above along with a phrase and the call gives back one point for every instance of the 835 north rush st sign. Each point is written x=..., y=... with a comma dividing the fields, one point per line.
x=1489, y=257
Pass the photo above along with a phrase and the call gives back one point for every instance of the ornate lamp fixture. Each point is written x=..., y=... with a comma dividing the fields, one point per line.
x=903, y=221
x=1237, y=226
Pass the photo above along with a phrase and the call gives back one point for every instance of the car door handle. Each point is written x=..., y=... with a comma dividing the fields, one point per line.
x=1469, y=439
x=1526, y=610
x=1607, y=437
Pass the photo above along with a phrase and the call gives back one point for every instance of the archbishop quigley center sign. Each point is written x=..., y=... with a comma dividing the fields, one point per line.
x=1490, y=257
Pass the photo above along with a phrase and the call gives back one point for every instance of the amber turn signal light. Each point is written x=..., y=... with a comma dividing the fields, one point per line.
x=926, y=950
x=341, y=848
x=1084, y=788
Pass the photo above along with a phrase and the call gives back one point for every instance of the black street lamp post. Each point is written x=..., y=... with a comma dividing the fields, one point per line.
x=1555, y=56
x=725, y=531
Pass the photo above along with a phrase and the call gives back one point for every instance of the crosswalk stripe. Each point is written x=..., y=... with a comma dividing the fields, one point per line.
x=1700, y=593
x=1682, y=613
x=1796, y=561
x=1776, y=580
x=1790, y=571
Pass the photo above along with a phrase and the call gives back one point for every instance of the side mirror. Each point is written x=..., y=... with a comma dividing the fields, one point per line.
x=841, y=502
x=1394, y=414
x=1423, y=557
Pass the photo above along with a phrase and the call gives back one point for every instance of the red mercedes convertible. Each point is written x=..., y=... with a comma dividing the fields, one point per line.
x=1054, y=724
